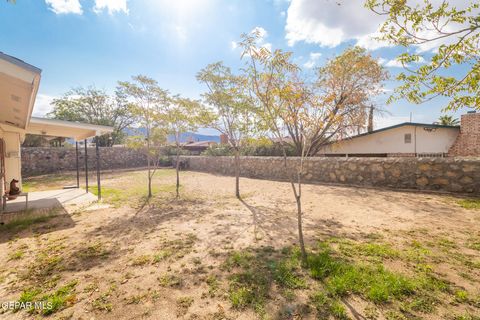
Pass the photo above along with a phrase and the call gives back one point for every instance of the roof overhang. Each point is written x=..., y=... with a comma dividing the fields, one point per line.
x=66, y=129
x=19, y=84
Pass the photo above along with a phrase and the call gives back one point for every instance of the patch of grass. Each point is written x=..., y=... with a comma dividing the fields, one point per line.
x=461, y=296
x=169, y=280
x=47, y=262
x=373, y=282
x=285, y=273
x=141, y=260
x=424, y=304
x=103, y=302
x=469, y=203
x=213, y=285
x=53, y=302
x=161, y=255
x=180, y=247
x=446, y=243
x=135, y=299
x=113, y=196
x=183, y=304
x=255, y=272
x=376, y=250
x=327, y=307
x=16, y=255
x=23, y=223
x=94, y=250
x=416, y=252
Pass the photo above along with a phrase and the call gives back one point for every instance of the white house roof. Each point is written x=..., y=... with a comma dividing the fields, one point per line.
x=19, y=83
x=66, y=129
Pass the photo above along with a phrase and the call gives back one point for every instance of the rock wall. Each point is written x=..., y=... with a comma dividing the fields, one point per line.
x=38, y=161
x=461, y=175
x=468, y=140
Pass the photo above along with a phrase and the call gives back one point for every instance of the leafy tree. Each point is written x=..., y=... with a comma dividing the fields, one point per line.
x=453, y=70
x=342, y=93
x=233, y=108
x=91, y=105
x=448, y=120
x=181, y=115
x=147, y=103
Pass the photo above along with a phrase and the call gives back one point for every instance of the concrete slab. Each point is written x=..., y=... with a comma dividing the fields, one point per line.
x=68, y=199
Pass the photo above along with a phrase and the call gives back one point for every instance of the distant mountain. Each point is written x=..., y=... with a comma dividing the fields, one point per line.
x=194, y=137
x=184, y=137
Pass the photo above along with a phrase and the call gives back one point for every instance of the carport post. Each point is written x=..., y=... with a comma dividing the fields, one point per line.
x=99, y=187
x=78, y=169
x=86, y=165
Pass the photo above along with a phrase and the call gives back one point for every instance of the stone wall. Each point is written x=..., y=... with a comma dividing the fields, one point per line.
x=38, y=161
x=460, y=175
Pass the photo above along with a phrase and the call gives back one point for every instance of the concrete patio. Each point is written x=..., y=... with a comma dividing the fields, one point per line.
x=68, y=199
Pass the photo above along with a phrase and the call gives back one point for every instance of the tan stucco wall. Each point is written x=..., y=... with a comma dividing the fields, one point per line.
x=392, y=141
x=12, y=156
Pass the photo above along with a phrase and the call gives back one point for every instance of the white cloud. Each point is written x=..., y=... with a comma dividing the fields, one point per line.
x=64, y=6
x=394, y=64
x=111, y=6
x=262, y=35
x=397, y=64
x=312, y=61
x=328, y=23
x=233, y=45
x=42, y=105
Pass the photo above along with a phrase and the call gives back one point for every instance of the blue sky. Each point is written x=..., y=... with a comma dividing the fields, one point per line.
x=98, y=42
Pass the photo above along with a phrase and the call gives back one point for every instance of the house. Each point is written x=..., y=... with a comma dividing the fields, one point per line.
x=413, y=139
x=19, y=82
x=198, y=147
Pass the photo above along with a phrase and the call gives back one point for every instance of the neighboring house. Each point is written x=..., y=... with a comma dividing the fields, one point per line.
x=198, y=147
x=19, y=84
x=413, y=139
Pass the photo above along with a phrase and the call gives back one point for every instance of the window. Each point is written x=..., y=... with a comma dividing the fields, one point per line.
x=408, y=138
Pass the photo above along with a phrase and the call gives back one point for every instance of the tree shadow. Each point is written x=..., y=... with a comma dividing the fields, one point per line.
x=278, y=223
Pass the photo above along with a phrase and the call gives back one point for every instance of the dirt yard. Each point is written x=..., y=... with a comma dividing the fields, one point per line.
x=373, y=254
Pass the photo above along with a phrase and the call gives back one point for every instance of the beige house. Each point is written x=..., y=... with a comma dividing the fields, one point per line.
x=413, y=139
x=19, y=84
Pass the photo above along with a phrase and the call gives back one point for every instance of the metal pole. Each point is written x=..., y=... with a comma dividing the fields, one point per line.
x=99, y=187
x=86, y=165
x=78, y=168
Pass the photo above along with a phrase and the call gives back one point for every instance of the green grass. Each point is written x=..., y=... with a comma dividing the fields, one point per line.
x=16, y=255
x=327, y=306
x=94, y=250
x=254, y=273
x=23, y=223
x=55, y=301
x=341, y=277
x=375, y=250
x=470, y=203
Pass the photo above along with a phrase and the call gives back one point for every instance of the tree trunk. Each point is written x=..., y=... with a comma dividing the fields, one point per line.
x=177, y=169
x=149, y=169
x=298, y=199
x=370, y=119
x=300, y=230
x=237, y=173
